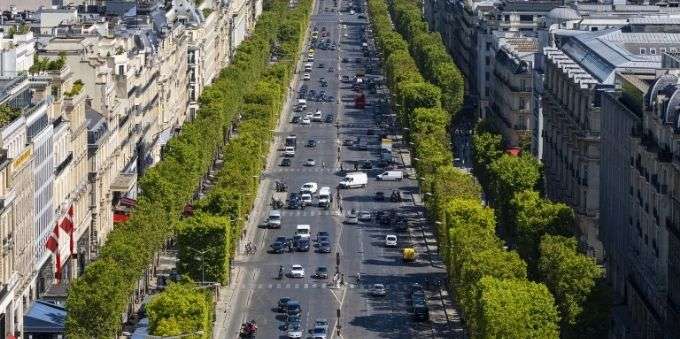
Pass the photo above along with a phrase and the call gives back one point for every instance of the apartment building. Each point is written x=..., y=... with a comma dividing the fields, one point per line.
x=511, y=89
x=16, y=53
x=640, y=210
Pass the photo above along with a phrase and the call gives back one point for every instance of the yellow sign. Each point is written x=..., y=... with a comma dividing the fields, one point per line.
x=22, y=158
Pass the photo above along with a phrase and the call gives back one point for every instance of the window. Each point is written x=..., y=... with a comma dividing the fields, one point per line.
x=488, y=46
x=594, y=29
x=507, y=17
x=526, y=18
x=643, y=51
x=487, y=61
x=663, y=49
x=652, y=51
x=486, y=76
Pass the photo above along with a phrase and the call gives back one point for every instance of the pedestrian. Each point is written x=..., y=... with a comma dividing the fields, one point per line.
x=340, y=207
x=323, y=164
x=342, y=279
x=356, y=166
x=341, y=169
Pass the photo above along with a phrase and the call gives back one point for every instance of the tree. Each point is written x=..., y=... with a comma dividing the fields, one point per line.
x=511, y=308
x=181, y=309
x=511, y=174
x=203, y=241
x=570, y=275
x=534, y=217
x=486, y=149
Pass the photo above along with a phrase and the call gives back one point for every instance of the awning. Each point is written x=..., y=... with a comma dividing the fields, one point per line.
x=44, y=317
x=118, y=218
x=124, y=182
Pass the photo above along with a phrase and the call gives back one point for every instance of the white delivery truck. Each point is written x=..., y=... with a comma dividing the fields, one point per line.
x=304, y=231
x=391, y=176
x=325, y=197
x=354, y=179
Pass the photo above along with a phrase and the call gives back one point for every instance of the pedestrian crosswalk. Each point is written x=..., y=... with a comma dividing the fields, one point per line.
x=396, y=287
x=309, y=212
x=317, y=169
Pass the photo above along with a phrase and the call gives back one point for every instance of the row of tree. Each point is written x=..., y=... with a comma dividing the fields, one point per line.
x=181, y=309
x=542, y=231
x=490, y=282
x=249, y=88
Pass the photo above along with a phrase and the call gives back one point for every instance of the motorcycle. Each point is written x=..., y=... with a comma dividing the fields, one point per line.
x=248, y=329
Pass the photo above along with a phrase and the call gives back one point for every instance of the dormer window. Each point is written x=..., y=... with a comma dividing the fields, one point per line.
x=643, y=51
x=652, y=51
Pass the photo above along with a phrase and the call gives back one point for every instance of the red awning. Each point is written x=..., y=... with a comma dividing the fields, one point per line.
x=514, y=151
x=118, y=218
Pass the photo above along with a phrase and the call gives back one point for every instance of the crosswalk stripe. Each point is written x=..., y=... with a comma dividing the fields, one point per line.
x=278, y=285
x=270, y=286
x=297, y=286
x=306, y=285
x=260, y=286
x=287, y=285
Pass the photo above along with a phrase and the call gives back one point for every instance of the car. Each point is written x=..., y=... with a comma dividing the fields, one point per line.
x=348, y=142
x=331, y=69
x=277, y=247
x=310, y=162
x=285, y=162
x=306, y=120
x=296, y=271
x=367, y=165
x=321, y=272
x=306, y=199
x=321, y=323
x=294, y=331
x=321, y=234
x=365, y=216
x=289, y=151
x=345, y=60
x=361, y=147
x=282, y=239
x=324, y=247
x=311, y=143
x=296, y=119
x=283, y=303
x=310, y=187
x=378, y=290
x=321, y=65
x=293, y=308
x=391, y=240
x=321, y=239
x=307, y=76
x=319, y=333
x=352, y=218
x=317, y=116
x=302, y=245
x=329, y=118
x=361, y=16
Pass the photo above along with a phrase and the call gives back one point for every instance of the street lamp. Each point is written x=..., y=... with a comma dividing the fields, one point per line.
x=201, y=259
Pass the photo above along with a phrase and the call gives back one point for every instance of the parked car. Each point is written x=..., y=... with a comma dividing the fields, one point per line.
x=296, y=271
x=378, y=290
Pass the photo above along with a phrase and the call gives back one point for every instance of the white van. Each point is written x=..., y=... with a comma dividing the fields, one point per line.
x=391, y=175
x=317, y=116
x=274, y=219
x=303, y=231
x=302, y=103
x=354, y=179
x=325, y=197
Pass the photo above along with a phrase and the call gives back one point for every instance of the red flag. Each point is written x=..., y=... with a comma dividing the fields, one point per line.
x=53, y=245
x=67, y=222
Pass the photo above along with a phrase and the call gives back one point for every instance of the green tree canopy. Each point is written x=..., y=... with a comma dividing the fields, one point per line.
x=181, y=309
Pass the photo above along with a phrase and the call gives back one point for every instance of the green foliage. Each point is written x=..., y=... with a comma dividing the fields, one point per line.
x=516, y=309
x=181, y=309
x=570, y=276
x=45, y=64
x=21, y=29
x=99, y=297
x=487, y=148
x=534, y=217
x=8, y=114
x=76, y=89
x=511, y=174
x=203, y=242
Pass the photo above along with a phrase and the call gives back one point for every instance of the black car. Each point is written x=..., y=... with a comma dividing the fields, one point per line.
x=329, y=118
x=324, y=247
x=320, y=235
x=323, y=238
x=303, y=245
x=311, y=143
x=285, y=162
x=321, y=273
x=421, y=312
x=296, y=119
x=276, y=247
x=282, y=240
x=321, y=65
x=366, y=165
x=283, y=304
x=293, y=308
x=345, y=60
x=294, y=201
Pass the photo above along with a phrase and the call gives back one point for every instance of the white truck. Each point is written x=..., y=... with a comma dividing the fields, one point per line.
x=354, y=179
x=391, y=176
x=325, y=197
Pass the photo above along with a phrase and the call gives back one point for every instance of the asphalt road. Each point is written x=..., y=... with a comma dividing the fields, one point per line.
x=361, y=246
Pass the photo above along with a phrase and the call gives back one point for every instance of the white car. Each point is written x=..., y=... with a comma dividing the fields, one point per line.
x=306, y=199
x=289, y=151
x=318, y=117
x=295, y=331
x=391, y=240
x=307, y=76
x=309, y=187
x=306, y=121
x=310, y=162
x=378, y=290
x=296, y=271
x=351, y=12
x=352, y=218
x=365, y=216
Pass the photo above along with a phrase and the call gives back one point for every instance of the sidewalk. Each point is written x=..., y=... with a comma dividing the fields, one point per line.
x=442, y=308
